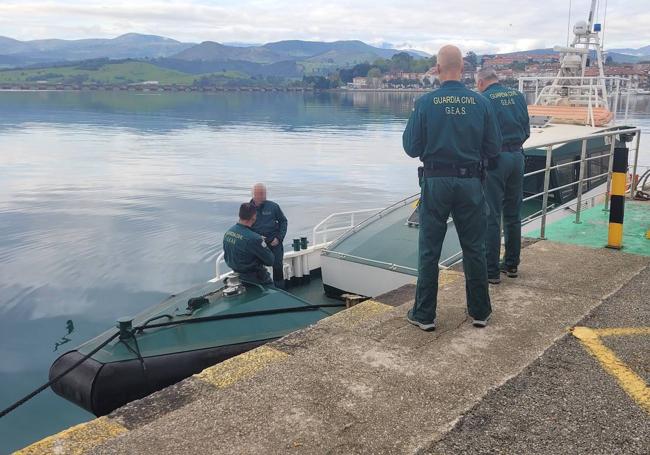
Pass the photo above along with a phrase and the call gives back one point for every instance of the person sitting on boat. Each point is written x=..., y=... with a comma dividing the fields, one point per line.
x=245, y=251
x=505, y=179
x=451, y=130
x=272, y=225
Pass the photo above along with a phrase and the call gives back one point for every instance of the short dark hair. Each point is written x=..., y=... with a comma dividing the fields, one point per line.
x=246, y=211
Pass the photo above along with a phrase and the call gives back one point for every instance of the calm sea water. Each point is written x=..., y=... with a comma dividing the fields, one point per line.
x=112, y=201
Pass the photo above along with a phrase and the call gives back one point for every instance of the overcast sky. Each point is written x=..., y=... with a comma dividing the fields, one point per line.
x=479, y=25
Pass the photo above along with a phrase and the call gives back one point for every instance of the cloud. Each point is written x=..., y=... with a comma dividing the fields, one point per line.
x=498, y=25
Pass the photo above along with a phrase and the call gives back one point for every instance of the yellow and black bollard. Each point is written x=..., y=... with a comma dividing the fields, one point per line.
x=617, y=198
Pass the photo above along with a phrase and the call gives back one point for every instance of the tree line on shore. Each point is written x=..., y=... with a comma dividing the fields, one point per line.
x=401, y=62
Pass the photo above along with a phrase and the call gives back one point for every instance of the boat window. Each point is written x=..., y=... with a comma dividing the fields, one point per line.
x=533, y=184
x=566, y=175
x=597, y=167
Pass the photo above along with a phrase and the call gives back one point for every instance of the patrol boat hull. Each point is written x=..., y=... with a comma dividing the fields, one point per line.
x=381, y=253
x=176, y=341
x=103, y=387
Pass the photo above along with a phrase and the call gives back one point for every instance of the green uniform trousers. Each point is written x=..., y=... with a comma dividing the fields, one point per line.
x=464, y=199
x=504, y=193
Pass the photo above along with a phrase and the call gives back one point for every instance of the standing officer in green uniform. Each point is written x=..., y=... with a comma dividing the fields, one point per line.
x=272, y=225
x=505, y=183
x=452, y=130
x=245, y=251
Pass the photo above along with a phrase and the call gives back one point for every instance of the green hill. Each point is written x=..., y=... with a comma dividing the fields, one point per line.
x=307, y=53
x=209, y=51
x=109, y=73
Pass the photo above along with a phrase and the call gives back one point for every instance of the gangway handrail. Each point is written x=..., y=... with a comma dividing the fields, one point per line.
x=582, y=179
x=222, y=270
x=220, y=260
x=352, y=213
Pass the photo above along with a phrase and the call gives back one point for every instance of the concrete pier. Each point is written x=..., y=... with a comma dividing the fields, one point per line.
x=365, y=381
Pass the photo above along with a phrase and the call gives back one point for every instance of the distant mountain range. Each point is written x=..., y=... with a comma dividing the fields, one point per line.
x=14, y=53
x=617, y=55
x=131, y=45
x=290, y=59
x=642, y=52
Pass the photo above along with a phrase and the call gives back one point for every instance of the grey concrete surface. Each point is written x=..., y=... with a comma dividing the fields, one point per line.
x=634, y=351
x=577, y=270
x=565, y=402
x=371, y=383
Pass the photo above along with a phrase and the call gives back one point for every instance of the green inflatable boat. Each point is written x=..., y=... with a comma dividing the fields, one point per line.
x=181, y=336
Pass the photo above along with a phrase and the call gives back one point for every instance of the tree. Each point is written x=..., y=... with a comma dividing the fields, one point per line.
x=402, y=61
x=374, y=73
x=317, y=82
x=472, y=59
x=382, y=64
x=360, y=70
x=335, y=81
x=424, y=64
x=518, y=66
x=346, y=75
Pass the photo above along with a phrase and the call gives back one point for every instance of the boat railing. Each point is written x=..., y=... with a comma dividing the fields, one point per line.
x=547, y=209
x=324, y=232
x=377, y=215
x=221, y=269
x=336, y=223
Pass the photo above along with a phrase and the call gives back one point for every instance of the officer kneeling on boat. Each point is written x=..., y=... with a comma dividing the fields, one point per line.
x=505, y=178
x=245, y=251
x=452, y=130
x=272, y=225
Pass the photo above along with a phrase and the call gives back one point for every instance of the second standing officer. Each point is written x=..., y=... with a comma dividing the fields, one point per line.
x=505, y=180
x=272, y=225
x=452, y=130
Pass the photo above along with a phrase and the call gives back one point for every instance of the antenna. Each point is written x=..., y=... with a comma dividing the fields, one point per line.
x=602, y=42
x=590, y=22
x=568, y=25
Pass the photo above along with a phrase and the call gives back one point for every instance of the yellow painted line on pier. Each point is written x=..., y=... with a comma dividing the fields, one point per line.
x=448, y=276
x=78, y=439
x=242, y=366
x=622, y=331
x=629, y=381
x=357, y=314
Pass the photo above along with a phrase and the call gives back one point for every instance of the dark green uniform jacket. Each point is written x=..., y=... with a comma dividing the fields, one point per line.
x=504, y=185
x=512, y=114
x=271, y=222
x=246, y=253
x=452, y=125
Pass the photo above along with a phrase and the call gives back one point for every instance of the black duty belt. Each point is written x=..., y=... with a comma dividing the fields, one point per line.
x=511, y=147
x=472, y=170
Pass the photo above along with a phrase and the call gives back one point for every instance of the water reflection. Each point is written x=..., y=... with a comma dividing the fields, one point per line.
x=164, y=113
